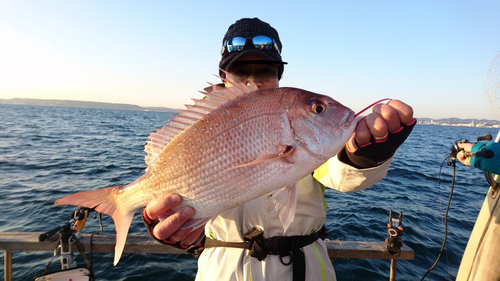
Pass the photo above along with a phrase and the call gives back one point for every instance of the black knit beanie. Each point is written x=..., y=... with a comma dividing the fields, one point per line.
x=248, y=28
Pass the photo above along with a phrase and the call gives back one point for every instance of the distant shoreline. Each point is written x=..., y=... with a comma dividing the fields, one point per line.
x=105, y=105
x=83, y=104
x=457, y=122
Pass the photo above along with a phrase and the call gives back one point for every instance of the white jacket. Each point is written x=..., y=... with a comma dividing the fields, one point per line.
x=224, y=263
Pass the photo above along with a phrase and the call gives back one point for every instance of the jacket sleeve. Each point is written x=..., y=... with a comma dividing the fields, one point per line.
x=492, y=164
x=345, y=178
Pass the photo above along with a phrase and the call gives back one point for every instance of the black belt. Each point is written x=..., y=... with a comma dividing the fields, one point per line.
x=283, y=246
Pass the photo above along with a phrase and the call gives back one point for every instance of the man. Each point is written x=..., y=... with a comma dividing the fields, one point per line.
x=252, y=52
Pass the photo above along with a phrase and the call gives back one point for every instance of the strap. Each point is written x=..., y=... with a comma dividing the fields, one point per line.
x=80, y=248
x=212, y=243
x=284, y=246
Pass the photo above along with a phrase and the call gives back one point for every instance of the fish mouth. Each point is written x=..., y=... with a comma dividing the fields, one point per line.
x=349, y=120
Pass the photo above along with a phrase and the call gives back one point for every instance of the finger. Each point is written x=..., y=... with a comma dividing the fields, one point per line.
x=163, y=216
x=165, y=229
x=461, y=156
x=389, y=116
x=466, y=146
x=362, y=136
x=193, y=236
x=404, y=111
x=181, y=235
x=159, y=206
x=376, y=125
x=467, y=161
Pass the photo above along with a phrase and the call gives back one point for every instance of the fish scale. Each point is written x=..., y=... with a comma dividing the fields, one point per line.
x=237, y=145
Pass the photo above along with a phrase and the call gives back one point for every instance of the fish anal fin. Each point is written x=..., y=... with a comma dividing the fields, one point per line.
x=195, y=223
x=285, y=201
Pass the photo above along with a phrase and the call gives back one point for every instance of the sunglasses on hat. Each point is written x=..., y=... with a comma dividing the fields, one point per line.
x=259, y=42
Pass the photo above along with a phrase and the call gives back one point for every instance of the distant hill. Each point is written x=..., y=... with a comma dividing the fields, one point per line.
x=453, y=121
x=85, y=104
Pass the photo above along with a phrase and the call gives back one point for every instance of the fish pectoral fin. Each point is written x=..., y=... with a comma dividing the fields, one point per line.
x=284, y=153
x=285, y=204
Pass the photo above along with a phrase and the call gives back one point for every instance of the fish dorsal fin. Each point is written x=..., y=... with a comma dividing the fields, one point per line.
x=243, y=86
x=201, y=107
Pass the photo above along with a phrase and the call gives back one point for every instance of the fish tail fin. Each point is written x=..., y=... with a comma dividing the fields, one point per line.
x=122, y=225
x=103, y=201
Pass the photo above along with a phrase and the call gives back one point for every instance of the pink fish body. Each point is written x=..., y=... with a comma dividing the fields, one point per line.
x=238, y=144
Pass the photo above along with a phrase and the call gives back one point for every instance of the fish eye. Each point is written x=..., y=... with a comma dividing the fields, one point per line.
x=318, y=108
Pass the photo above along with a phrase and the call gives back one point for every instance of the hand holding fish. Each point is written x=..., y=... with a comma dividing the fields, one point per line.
x=379, y=134
x=166, y=223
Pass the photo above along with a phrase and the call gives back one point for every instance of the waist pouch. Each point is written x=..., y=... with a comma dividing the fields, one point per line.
x=283, y=246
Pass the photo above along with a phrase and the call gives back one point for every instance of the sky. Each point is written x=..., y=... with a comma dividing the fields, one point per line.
x=432, y=55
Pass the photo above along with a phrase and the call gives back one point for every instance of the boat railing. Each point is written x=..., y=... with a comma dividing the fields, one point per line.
x=141, y=244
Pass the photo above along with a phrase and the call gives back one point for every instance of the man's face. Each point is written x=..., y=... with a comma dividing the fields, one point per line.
x=265, y=76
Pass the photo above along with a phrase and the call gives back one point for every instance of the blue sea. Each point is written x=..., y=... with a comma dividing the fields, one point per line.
x=49, y=152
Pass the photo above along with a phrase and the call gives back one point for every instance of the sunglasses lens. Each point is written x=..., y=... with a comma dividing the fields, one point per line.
x=260, y=42
x=235, y=44
x=263, y=42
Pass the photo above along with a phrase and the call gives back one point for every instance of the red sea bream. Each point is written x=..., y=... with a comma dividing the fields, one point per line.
x=237, y=144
